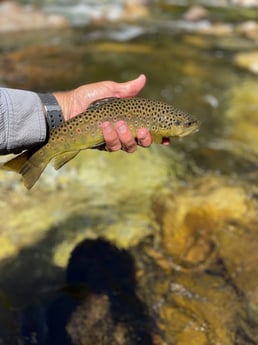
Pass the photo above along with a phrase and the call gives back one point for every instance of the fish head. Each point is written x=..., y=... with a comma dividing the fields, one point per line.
x=177, y=123
x=188, y=127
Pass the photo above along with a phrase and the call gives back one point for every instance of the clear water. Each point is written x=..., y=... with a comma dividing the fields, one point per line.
x=204, y=293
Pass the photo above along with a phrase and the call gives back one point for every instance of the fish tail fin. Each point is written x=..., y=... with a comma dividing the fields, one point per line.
x=31, y=173
x=16, y=163
x=29, y=168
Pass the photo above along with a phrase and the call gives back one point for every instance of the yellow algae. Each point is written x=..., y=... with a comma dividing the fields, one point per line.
x=212, y=307
x=194, y=69
x=192, y=336
x=168, y=316
x=242, y=112
x=28, y=224
x=237, y=243
x=129, y=231
x=63, y=250
x=128, y=48
x=246, y=132
x=181, y=328
x=159, y=258
x=243, y=102
x=197, y=41
x=247, y=60
x=7, y=248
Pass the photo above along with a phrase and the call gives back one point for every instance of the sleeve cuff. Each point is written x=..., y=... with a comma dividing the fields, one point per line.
x=23, y=118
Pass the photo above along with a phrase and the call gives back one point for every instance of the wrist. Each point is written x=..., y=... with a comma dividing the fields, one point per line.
x=62, y=99
x=52, y=110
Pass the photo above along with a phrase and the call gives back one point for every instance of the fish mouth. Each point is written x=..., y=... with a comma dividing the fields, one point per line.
x=190, y=130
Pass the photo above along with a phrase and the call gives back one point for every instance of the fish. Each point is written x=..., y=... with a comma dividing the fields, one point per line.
x=84, y=132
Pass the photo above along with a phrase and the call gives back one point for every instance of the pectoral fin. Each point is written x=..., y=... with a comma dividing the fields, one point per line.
x=64, y=158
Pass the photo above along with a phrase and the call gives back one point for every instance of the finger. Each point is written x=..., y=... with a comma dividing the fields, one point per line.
x=144, y=138
x=125, y=136
x=111, y=137
x=131, y=88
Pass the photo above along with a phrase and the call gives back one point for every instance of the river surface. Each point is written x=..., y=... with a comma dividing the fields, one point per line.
x=157, y=247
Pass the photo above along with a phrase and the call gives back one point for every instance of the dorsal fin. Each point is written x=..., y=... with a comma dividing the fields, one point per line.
x=101, y=101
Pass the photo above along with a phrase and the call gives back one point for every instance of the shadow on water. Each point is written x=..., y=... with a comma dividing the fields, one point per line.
x=96, y=304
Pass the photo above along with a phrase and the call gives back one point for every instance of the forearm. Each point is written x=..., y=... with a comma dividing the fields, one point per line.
x=22, y=121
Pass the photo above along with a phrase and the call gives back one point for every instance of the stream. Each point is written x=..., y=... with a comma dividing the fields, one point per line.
x=158, y=247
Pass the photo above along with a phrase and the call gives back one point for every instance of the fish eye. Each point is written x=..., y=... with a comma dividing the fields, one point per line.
x=189, y=123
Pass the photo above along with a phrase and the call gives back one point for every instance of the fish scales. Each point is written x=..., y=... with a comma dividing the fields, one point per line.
x=84, y=131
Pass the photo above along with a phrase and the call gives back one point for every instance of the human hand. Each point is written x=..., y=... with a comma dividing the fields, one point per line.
x=116, y=135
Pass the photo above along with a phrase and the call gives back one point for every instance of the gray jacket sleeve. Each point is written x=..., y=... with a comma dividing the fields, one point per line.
x=22, y=121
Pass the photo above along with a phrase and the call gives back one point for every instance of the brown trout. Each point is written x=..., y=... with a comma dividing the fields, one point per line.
x=84, y=131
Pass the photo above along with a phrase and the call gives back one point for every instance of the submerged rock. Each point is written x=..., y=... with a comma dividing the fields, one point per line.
x=248, y=28
x=196, y=13
x=193, y=215
x=207, y=229
x=237, y=245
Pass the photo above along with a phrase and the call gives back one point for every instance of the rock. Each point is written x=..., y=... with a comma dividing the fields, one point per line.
x=135, y=10
x=217, y=29
x=193, y=215
x=249, y=29
x=127, y=10
x=15, y=17
x=200, y=308
x=209, y=240
x=245, y=3
x=196, y=13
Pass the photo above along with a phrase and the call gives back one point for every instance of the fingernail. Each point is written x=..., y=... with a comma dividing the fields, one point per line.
x=142, y=134
x=121, y=128
x=106, y=126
